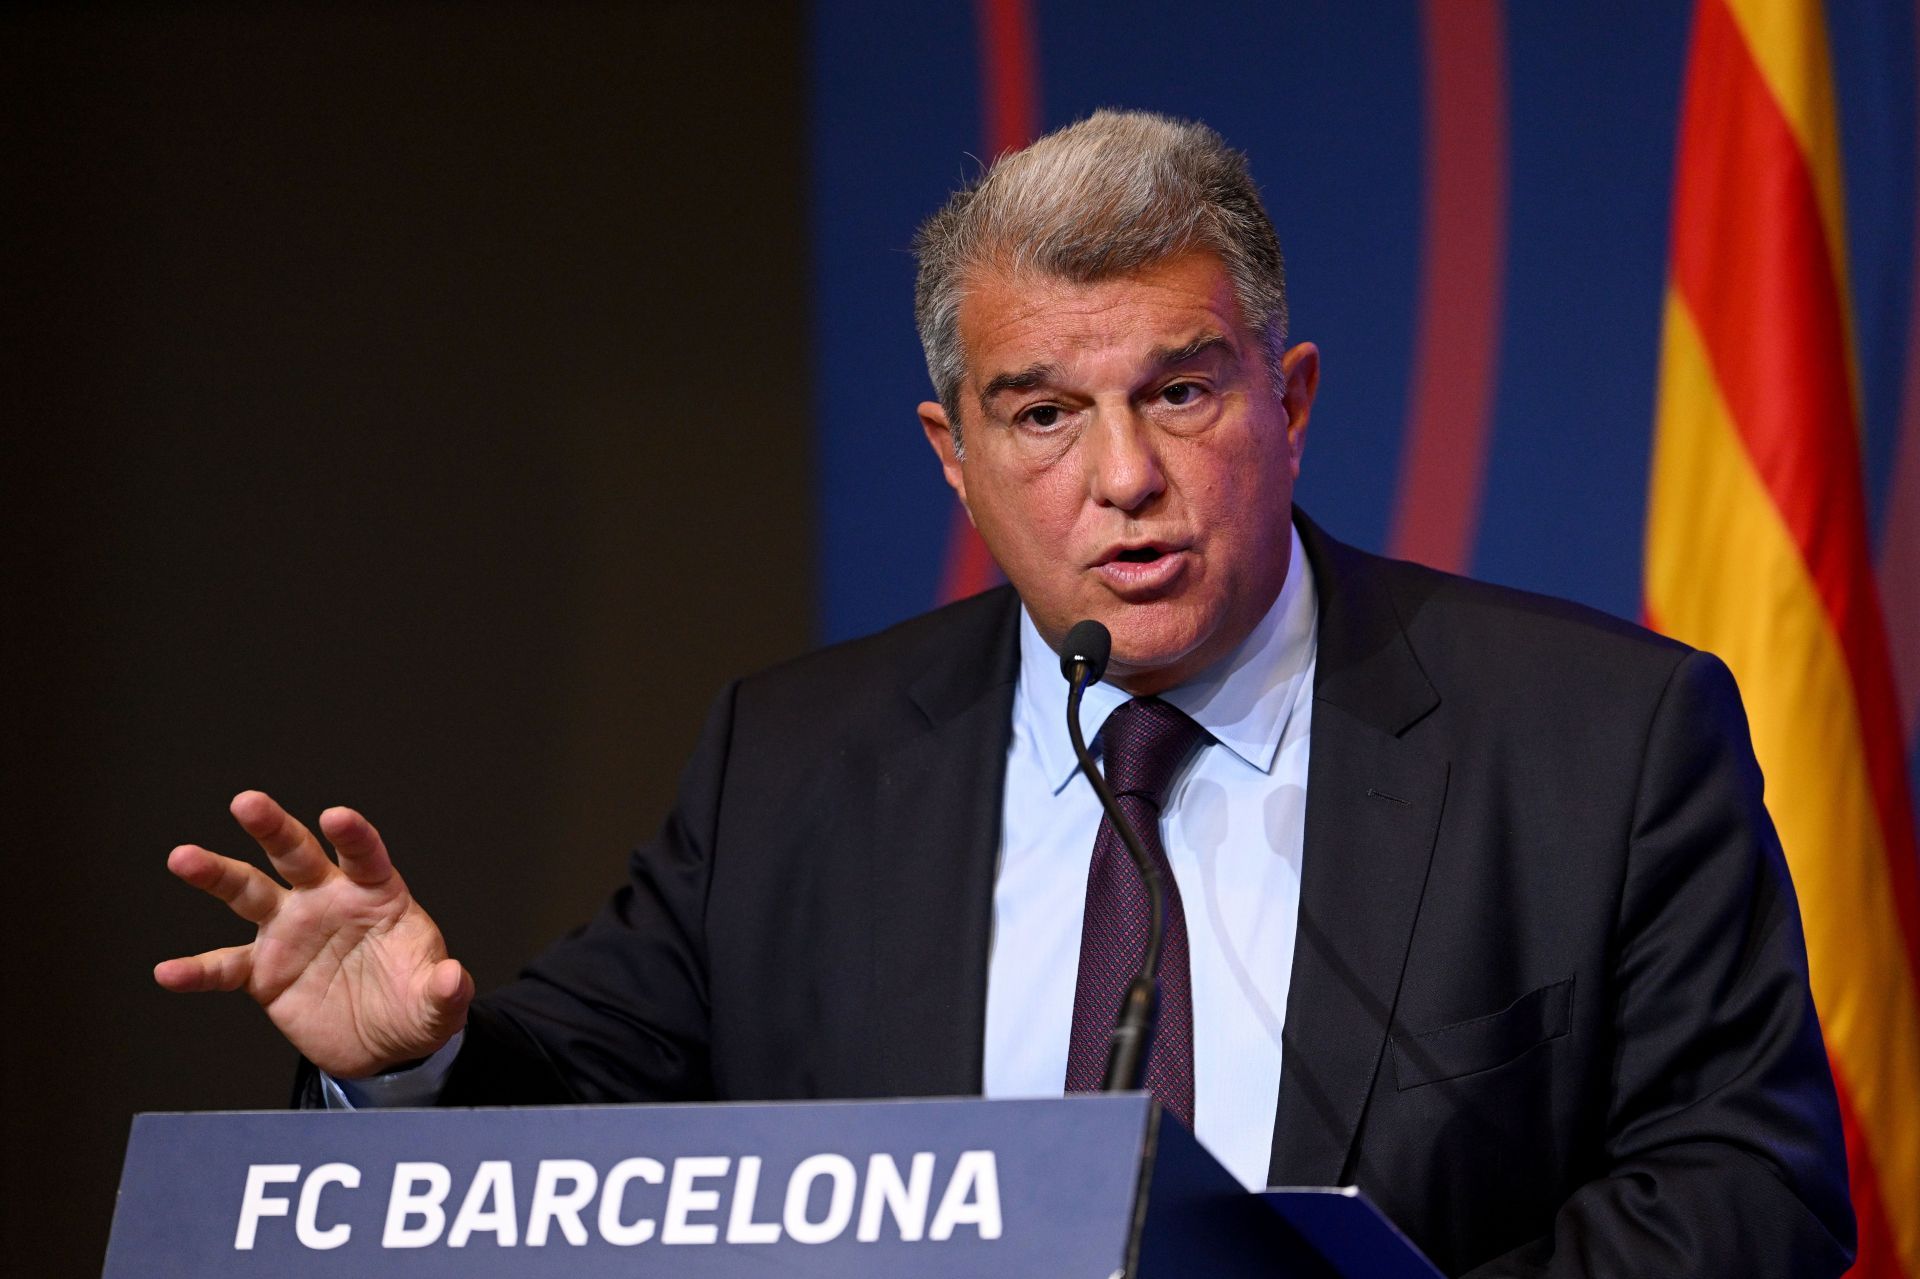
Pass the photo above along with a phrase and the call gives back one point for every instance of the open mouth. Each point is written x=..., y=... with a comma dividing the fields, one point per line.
x=1139, y=555
x=1141, y=573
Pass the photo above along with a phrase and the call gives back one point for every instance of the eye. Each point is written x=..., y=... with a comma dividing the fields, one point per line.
x=1180, y=394
x=1042, y=415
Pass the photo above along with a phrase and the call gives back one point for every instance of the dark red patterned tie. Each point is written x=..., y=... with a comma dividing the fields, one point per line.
x=1144, y=745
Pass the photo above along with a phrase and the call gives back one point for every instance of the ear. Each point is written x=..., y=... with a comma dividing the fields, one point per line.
x=933, y=420
x=1299, y=383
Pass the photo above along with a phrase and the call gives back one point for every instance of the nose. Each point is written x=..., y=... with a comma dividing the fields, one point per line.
x=1123, y=464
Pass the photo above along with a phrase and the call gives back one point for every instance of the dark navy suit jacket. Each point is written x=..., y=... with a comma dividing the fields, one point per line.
x=1549, y=1003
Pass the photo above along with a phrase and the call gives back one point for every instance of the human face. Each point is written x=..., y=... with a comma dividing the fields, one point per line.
x=1128, y=459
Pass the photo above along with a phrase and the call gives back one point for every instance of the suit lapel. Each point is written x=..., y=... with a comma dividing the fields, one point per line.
x=935, y=849
x=1373, y=808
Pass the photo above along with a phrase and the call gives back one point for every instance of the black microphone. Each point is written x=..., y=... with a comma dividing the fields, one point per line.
x=1083, y=659
x=1088, y=644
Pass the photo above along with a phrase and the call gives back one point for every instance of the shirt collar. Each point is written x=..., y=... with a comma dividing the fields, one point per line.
x=1244, y=700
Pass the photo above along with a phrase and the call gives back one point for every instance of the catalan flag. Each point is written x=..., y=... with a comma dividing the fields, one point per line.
x=1757, y=549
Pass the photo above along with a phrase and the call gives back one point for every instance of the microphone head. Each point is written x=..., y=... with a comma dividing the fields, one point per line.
x=1088, y=644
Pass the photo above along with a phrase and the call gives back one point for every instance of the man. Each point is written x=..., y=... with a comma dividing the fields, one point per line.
x=1477, y=904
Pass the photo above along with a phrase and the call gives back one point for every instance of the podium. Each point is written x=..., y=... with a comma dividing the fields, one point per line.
x=1096, y=1186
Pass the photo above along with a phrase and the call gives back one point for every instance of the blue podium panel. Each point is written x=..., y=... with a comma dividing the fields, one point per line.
x=1343, y=1227
x=925, y=1188
x=1199, y=1221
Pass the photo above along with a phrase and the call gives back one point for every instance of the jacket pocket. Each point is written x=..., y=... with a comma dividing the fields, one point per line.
x=1467, y=1047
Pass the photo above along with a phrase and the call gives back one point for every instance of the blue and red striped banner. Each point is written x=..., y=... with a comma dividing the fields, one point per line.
x=1486, y=239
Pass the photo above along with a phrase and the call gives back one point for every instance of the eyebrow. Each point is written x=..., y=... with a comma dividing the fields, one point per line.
x=1205, y=344
x=1163, y=357
x=1021, y=380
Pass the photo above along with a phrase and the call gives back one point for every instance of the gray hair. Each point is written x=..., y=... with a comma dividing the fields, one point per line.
x=1097, y=200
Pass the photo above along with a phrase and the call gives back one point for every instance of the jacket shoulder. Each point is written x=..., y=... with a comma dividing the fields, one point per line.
x=1442, y=606
x=1491, y=650
x=1464, y=628
x=1437, y=606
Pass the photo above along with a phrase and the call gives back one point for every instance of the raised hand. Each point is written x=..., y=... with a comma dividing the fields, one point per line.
x=345, y=962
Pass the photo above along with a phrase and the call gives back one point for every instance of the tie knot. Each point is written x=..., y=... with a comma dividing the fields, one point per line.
x=1144, y=743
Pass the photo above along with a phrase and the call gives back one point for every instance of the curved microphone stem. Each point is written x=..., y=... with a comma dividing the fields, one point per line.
x=1133, y=1025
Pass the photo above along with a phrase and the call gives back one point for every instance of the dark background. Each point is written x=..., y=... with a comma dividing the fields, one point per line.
x=405, y=407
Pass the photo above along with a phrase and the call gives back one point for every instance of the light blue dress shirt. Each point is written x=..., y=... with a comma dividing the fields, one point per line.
x=1232, y=824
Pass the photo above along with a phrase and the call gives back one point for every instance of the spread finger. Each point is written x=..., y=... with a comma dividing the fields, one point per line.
x=225, y=969
x=363, y=854
x=289, y=845
x=246, y=890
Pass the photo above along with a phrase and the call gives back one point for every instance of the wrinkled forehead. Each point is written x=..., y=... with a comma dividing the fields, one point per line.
x=1014, y=314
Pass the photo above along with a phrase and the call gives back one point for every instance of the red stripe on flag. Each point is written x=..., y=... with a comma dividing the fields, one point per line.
x=1462, y=279
x=1878, y=1257
x=1750, y=258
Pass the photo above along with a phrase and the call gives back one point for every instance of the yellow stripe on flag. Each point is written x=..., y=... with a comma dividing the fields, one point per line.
x=1788, y=42
x=1724, y=574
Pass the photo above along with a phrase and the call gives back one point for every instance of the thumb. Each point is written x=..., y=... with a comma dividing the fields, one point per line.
x=449, y=990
